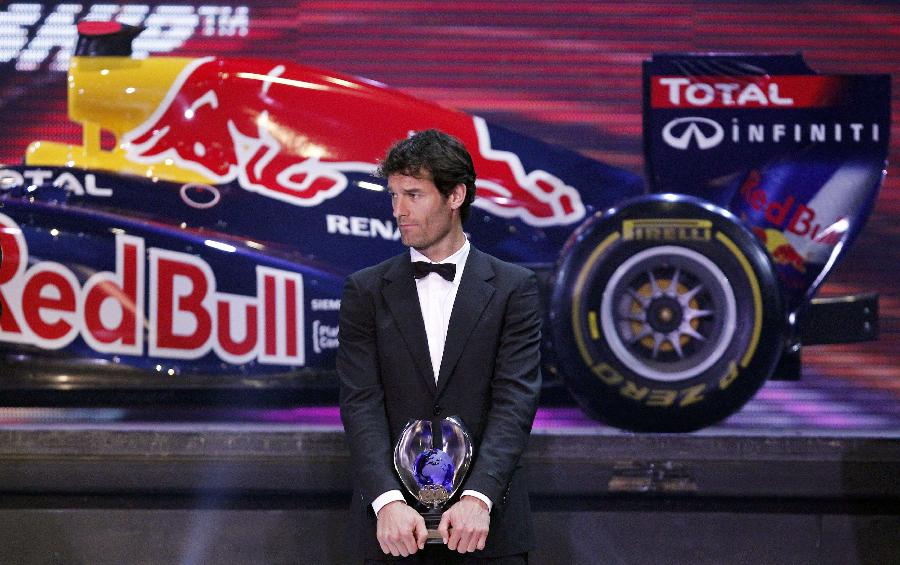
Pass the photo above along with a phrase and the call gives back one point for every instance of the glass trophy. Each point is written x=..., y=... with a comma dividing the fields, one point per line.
x=432, y=464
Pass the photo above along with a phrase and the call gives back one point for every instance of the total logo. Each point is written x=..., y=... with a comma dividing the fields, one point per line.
x=43, y=303
x=68, y=181
x=745, y=92
x=721, y=92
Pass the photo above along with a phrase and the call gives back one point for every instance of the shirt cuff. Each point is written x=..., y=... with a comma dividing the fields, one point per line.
x=382, y=501
x=479, y=496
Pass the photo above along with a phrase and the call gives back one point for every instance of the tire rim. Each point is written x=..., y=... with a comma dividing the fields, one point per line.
x=668, y=313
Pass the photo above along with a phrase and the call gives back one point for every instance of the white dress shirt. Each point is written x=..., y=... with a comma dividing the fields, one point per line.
x=436, y=298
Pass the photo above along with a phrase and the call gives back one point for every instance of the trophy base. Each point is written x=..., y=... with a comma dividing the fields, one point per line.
x=432, y=521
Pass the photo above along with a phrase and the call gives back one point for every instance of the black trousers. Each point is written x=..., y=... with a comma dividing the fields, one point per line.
x=440, y=555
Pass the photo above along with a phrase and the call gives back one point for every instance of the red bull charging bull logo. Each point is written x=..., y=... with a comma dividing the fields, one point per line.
x=783, y=253
x=537, y=198
x=293, y=134
x=195, y=127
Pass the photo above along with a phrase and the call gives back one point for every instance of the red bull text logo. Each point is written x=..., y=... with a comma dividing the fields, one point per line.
x=788, y=214
x=294, y=134
x=44, y=304
x=789, y=218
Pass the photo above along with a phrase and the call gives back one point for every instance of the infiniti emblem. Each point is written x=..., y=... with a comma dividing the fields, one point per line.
x=706, y=132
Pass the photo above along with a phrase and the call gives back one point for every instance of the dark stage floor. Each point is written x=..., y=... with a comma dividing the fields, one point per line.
x=807, y=471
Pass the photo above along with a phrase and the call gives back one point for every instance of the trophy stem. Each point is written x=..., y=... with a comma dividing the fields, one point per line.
x=432, y=521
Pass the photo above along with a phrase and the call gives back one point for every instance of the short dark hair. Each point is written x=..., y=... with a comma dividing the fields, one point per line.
x=435, y=154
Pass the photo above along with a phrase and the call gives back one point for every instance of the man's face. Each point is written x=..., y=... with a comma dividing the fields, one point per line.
x=425, y=217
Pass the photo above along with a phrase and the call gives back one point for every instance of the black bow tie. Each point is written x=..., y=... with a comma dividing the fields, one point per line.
x=422, y=268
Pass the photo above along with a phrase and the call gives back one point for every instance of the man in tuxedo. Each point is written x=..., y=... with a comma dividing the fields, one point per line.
x=443, y=329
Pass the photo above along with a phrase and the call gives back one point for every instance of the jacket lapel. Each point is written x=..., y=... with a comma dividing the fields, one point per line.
x=471, y=299
x=402, y=300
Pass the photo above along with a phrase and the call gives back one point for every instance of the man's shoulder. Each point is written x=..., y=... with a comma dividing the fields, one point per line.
x=504, y=269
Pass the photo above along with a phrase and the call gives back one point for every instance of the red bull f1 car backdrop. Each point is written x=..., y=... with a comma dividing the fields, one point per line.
x=194, y=244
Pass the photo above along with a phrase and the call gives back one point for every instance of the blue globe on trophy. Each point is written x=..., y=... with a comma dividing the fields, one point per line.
x=434, y=468
x=431, y=460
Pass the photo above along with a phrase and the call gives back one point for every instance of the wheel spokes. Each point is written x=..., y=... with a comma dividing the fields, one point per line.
x=663, y=283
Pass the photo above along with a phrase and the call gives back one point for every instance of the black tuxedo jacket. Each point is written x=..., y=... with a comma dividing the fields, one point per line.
x=489, y=376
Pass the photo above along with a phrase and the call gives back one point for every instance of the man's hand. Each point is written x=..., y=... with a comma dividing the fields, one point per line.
x=401, y=530
x=464, y=526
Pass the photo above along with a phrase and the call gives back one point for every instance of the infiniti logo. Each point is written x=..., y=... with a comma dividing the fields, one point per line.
x=707, y=133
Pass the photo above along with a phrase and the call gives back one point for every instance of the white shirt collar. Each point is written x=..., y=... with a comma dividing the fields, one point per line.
x=458, y=258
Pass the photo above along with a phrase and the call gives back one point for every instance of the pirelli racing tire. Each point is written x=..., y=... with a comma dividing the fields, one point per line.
x=666, y=315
